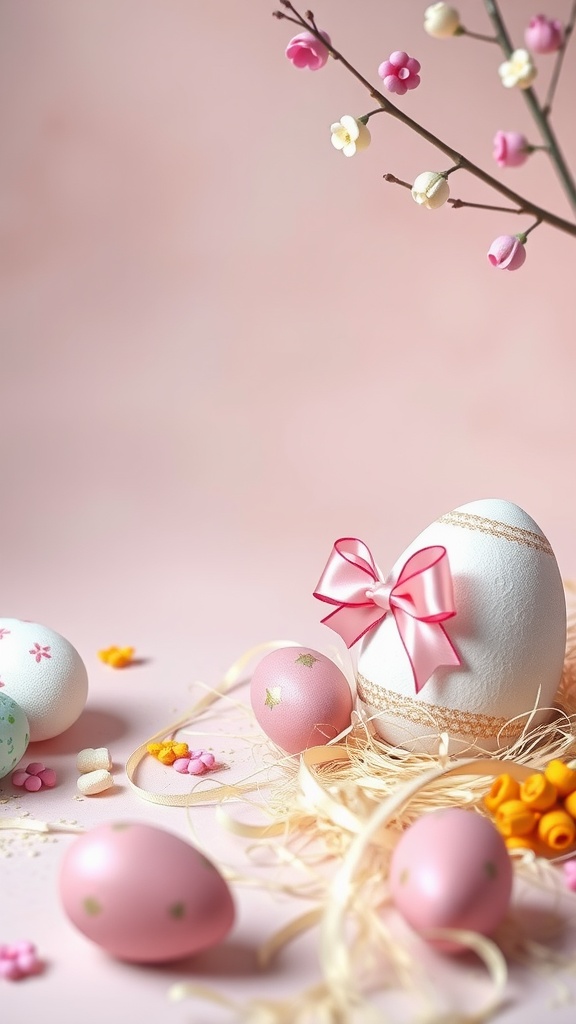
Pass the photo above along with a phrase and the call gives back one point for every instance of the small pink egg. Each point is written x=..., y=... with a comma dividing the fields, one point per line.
x=143, y=894
x=300, y=698
x=451, y=869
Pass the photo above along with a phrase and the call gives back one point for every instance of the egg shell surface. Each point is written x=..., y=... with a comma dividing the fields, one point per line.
x=144, y=894
x=44, y=674
x=300, y=698
x=14, y=734
x=451, y=869
x=509, y=632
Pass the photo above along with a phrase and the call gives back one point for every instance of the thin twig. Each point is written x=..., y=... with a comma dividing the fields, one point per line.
x=459, y=204
x=476, y=35
x=536, y=110
x=389, y=108
x=559, y=61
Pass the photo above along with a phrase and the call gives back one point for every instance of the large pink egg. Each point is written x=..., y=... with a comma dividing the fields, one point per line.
x=300, y=698
x=144, y=894
x=451, y=869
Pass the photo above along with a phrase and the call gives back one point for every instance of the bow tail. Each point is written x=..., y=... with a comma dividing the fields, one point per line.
x=427, y=645
x=352, y=622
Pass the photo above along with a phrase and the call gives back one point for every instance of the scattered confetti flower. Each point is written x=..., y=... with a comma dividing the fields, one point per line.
x=518, y=70
x=198, y=763
x=19, y=960
x=168, y=751
x=117, y=657
x=350, y=135
x=400, y=72
x=34, y=777
x=306, y=51
x=511, y=149
x=507, y=252
x=430, y=189
x=544, y=35
x=570, y=874
x=441, y=21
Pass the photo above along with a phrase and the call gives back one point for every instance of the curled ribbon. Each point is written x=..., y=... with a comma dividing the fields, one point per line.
x=420, y=599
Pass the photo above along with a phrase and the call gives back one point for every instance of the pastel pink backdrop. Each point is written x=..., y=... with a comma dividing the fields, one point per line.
x=224, y=345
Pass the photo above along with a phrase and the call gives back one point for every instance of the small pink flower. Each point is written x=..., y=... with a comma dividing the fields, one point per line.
x=198, y=763
x=511, y=149
x=34, y=777
x=507, y=253
x=400, y=72
x=19, y=960
x=40, y=652
x=306, y=51
x=544, y=35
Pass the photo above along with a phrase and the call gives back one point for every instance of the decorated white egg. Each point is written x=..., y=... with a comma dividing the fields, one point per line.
x=44, y=674
x=14, y=734
x=508, y=634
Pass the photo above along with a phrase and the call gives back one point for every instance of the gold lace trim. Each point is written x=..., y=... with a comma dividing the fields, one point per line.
x=497, y=529
x=450, y=720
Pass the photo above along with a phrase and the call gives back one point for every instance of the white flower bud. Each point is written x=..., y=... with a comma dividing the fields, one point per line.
x=518, y=70
x=95, y=782
x=441, y=21
x=90, y=759
x=430, y=189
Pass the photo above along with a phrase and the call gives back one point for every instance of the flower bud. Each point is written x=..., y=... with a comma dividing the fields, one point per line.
x=510, y=149
x=503, y=788
x=544, y=35
x=538, y=792
x=441, y=21
x=306, y=51
x=506, y=253
x=430, y=189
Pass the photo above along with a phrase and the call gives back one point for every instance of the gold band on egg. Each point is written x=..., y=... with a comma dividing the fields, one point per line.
x=450, y=720
x=504, y=531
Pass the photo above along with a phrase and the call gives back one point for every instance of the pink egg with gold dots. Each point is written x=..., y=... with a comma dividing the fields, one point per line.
x=451, y=869
x=144, y=894
x=300, y=698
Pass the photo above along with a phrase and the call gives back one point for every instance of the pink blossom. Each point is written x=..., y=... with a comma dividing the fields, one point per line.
x=507, y=252
x=511, y=149
x=306, y=51
x=570, y=874
x=400, y=72
x=197, y=763
x=34, y=777
x=544, y=35
x=19, y=959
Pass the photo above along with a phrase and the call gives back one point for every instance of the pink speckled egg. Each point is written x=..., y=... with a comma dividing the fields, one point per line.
x=300, y=698
x=144, y=894
x=451, y=869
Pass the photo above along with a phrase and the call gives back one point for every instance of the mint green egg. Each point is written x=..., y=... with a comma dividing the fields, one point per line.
x=14, y=734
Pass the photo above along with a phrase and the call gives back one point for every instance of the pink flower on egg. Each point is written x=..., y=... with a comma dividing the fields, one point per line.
x=400, y=72
x=544, y=35
x=507, y=252
x=18, y=960
x=40, y=652
x=306, y=51
x=510, y=149
x=34, y=777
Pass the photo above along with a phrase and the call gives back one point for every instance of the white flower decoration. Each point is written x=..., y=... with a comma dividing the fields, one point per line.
x=518, y=70
x=350, y=135
x=430, y=189
x=441, y=21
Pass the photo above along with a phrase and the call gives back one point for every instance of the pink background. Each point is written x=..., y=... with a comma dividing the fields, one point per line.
x=224, y=345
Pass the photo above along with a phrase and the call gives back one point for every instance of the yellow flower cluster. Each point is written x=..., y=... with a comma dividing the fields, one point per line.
x=117, y=657
x=539, y=812
x=168, y=751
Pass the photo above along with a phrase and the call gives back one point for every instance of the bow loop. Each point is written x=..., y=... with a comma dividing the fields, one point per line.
x=420, y=598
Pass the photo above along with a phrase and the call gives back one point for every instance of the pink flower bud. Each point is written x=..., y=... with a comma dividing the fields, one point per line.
x=400, y=72
x=511, y=149
x=306, y=51
x=507, y=253
x=544, y=35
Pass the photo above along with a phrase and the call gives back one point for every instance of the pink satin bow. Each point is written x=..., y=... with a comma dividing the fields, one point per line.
x=420, y=599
